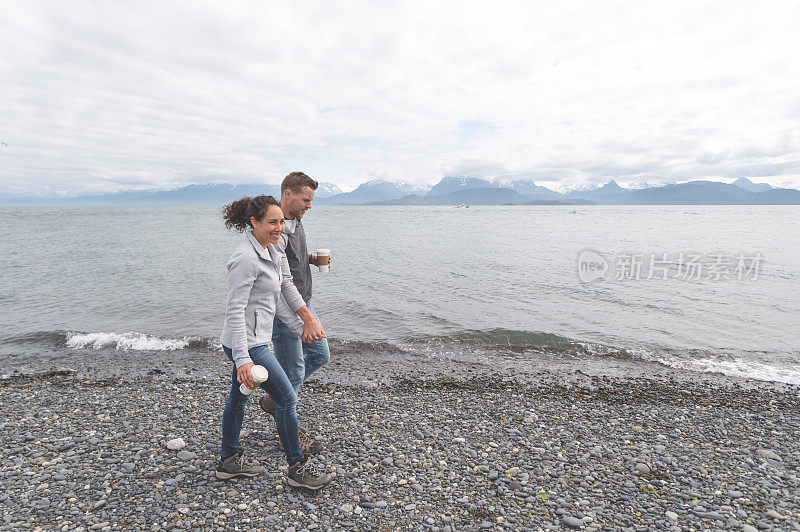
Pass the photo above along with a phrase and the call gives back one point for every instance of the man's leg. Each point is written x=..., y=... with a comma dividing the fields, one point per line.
x=289, y=352
x=316, y=355
x=279, y=387
x=301, y=474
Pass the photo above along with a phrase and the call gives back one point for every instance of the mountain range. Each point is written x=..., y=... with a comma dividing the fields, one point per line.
x=456, y=191
x=474, y=191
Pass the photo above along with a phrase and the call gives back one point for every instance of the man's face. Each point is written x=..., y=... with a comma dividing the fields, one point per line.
x=297, y=203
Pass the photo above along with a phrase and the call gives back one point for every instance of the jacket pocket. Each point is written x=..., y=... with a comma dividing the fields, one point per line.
x=260, y=324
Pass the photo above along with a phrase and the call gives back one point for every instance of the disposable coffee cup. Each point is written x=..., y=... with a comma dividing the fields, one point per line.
x=259, y=374
x=324, y=260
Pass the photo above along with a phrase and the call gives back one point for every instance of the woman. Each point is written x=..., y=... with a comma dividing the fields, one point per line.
x=254, y=298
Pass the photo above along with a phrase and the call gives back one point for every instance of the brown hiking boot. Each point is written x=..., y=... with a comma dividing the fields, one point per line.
x=234, y=466
x=267, y=404
x=307, y=444
x=304, y=474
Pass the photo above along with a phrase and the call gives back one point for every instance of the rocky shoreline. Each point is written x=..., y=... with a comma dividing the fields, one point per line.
x=449, y=449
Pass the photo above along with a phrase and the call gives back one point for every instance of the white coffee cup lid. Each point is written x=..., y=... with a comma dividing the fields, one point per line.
x=323, y=252
x=259, y=373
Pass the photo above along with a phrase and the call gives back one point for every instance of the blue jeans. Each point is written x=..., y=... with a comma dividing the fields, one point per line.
x=280, y=389
x=289, y=352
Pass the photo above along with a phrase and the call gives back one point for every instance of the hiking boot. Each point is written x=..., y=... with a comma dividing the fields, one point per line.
x=267, y=404
x=307, y=444
x=304, y=474
x=234, y=466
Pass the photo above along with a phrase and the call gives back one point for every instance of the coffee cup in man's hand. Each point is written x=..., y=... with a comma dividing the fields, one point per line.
x=324, y=260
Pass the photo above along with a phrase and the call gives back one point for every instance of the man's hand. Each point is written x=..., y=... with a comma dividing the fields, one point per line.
x=313, y=332
x=244, y=376
x=313, y=259
x=312, y=328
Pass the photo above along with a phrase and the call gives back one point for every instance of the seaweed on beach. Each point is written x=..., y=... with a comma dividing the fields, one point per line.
x=53, y=374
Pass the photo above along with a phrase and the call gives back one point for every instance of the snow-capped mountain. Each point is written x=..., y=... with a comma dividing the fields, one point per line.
x=748, y=185
x=326, y=190
x=391, y=185
x=375, y=190
x=642, y=185
x=582, y=187
x=452, y=184
x=459, y=190
x=528, y=188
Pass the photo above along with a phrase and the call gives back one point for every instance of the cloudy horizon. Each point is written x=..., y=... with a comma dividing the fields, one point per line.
x=101, y=97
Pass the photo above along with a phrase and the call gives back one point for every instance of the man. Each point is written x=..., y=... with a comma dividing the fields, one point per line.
x=298, y=358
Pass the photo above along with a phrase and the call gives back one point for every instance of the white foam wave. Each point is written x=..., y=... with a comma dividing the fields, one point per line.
x=130, y=341
x=737, y=367
x=732, y=366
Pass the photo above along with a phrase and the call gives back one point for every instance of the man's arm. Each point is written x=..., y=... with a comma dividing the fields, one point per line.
x=288, y=289
x=312, y=328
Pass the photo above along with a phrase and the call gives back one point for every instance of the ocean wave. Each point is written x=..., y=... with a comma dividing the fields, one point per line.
x=735, y=367
x=765, y=366
x=132, y=341
x=504, y=339
x=777, y=367
x=47, y=337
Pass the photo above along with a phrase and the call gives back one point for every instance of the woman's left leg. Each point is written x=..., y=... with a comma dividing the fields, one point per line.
x=232, y=463
x=233, y=415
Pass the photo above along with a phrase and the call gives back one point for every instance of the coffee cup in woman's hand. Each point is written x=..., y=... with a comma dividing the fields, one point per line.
x=244, y=376
x=251, y=377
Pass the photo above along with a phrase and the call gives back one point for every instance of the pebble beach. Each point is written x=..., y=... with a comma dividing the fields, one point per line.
x=120, y=445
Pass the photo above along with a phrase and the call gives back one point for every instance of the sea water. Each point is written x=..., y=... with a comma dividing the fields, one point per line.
x=696, y=288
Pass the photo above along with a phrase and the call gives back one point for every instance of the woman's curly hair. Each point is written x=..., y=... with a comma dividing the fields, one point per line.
x=237, y=214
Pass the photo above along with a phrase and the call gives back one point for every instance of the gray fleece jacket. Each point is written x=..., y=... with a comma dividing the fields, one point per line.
x=255, y=281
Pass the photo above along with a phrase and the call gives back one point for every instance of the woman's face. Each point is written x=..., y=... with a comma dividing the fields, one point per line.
x=270, y=227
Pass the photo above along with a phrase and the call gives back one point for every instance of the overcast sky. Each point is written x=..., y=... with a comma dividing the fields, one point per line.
x=104, y=96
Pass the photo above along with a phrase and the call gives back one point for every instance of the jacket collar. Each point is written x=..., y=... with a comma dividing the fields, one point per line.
x=290, y=226
x=265, y=254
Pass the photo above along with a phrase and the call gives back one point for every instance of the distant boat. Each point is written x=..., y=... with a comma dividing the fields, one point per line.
x=462, y=205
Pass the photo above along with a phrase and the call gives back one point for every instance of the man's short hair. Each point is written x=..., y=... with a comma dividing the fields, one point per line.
x=296, y=181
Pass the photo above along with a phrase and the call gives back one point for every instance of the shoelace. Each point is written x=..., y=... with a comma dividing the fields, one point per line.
x=304, y=438
x=307, y=468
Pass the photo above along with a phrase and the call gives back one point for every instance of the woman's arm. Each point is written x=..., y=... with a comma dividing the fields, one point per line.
x=242, y=273
x=285, y=314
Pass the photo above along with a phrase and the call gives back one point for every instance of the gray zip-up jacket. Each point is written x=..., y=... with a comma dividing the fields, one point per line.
x=255, y=278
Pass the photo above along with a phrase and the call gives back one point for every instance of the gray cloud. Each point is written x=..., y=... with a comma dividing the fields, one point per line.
x=104, y=96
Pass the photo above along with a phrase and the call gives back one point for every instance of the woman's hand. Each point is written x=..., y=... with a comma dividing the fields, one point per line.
x=244, y=376
x=312, y=330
